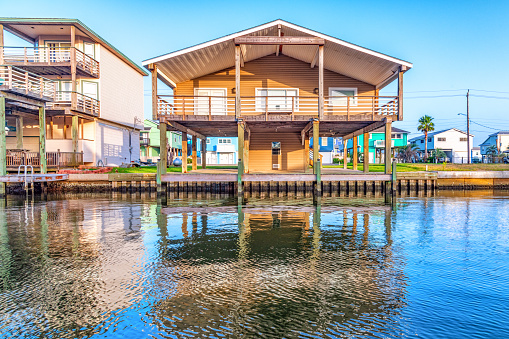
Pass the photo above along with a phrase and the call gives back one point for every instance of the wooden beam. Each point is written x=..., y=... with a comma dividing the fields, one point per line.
x=316, y=146
x=154, y=92
x=74, y=133
x=237, y=82
x=204, y=153
x=240, y=164
x=19, y=132
x=387, y=81
x=179, y=127
x=278, y=47
x=184, y=152
x=19, y=34
x=74, y=96
x=305, y=130
x=163, y=151
x=320, y=82
x=306, y=151
x=1, y=44
x=315, y=58
x=42, y=140
x=400, y=94
x=194, y=155
x=22, y=99
x=275, y=40
x=242, y=55
x=247, y=139
x=388, y=146
x=366, y=153
x=51, y=127
x=354, y=153
x=345, y=153
x=3, y=144
x=366, y=129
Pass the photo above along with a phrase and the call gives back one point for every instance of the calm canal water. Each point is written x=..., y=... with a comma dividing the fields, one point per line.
x=85, y=266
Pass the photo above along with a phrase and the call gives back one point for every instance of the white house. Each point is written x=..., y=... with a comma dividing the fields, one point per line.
x=476, y=154
x=452, y=141
x=500, y=139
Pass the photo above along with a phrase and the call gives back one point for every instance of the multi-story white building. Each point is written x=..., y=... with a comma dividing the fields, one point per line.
x=452, y=141
x=97, y=105
x=499, y=139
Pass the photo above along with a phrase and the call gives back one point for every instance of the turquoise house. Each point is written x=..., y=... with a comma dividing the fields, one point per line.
x=149, y=142
x=377, y=143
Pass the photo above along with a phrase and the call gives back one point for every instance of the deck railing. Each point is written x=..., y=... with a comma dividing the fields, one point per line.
x=26, y=83
x=53, y=159
x=84, y=103
x=277, y=105
x=50, y=56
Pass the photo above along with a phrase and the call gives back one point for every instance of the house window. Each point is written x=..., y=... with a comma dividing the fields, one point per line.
x=429, y=139
x=422, y=141
x=277, y=99
x=208, y=140
x=225, y=141
x=463, y=139
x=324, y=141
x=396, y=136
x=338, y=96
x=276, y=148
x=441, y=139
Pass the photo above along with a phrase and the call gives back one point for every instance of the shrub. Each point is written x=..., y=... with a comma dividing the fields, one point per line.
x=335, y=160
x=189, y=160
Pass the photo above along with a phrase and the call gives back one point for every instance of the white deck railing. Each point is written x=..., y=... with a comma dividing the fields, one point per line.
x=26, y=83
x=84, y=103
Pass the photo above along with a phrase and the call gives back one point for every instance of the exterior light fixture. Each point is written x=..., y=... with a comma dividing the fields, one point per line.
x=315, y=90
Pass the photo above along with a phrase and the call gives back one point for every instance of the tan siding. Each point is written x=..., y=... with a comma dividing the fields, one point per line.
x=260, y=156
x=273, y=71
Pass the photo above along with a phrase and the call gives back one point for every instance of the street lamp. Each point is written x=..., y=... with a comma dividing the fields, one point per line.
x=468, y=136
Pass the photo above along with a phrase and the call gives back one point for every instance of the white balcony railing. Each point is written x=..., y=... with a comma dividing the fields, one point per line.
x=50, y=56
x=26, y=83
x=84, y=103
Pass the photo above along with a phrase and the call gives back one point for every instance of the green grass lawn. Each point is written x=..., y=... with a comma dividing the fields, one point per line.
x=431, y=167
x=153, y=169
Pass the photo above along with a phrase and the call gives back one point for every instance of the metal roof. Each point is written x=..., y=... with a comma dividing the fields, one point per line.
x=25, y=29
x=439, y=132
x=340, y=56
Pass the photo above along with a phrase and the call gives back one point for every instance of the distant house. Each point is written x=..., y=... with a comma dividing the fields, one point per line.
x=221, y=151
x=475, y=154
x=377, y=143
x=326, y=149
x=499, y=139
x=452, y=141
x=150, y=147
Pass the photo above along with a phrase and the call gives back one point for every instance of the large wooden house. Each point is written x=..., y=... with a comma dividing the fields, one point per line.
x=275, y=86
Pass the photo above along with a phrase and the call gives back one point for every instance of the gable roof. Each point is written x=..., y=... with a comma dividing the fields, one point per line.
x=340, y=56
x=393, y=129
x=440, y=132
x=22, y=28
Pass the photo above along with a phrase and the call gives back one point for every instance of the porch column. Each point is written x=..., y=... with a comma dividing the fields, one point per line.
x=306, y=152
x=204, y=153
x=3, y=146
x=400, y=93
x=74, y=135
x=320, y=82
x=388, y=141
x=184, y=152
x=163, y=151
x=316, y=147
x=240, y=171
x=42, y=139
x=194, y=165
x=51, y=127
x=354, y=153
x=1, y=44
x=19, y=132
x=74, y=96
x=237, y=81
x=246, y=151
x=345, y=154
x=154, y=91
x=366, y=152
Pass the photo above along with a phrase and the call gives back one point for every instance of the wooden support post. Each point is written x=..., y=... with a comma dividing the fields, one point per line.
x=1, y=44
x=240, y=135
x=74, y=96
x=400, y=94
x=163, y=150
x=237, y=82
x=366, y=153
x=19, y=132
x=204, y=153
x=306, y=152
x=317, y=166
x=320, y=82
x=74, y=134
x=42, y=139
x=388, y=144
x=51, y=128
x=354, y=153
x=3, y=146
x=247, y=139
x=154, y=92
x=345, y=154
x=194, y=158
x=184, y=152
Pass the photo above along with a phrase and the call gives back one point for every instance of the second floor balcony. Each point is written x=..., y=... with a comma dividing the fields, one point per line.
x=267, y=108
x=50, y=60
x=26, y=84
x=75, y=101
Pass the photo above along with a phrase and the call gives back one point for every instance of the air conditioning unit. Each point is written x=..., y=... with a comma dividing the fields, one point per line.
x=275, y=166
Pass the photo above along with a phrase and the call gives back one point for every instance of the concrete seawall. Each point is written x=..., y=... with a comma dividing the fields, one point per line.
x=473, y=180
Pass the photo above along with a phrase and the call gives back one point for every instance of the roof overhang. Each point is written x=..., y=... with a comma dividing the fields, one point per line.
x=29, y=29
x=340, y=56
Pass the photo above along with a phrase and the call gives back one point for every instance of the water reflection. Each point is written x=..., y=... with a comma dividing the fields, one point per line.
x=129, y=266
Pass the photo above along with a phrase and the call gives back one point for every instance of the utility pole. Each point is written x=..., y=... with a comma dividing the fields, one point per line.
x=468, y=128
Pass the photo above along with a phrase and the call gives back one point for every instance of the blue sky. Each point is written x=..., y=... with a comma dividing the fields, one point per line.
x=454, y=45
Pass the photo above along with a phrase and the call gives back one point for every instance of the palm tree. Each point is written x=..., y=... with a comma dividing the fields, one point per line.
x=407, y=152
x=492, y=152
x=426, y=125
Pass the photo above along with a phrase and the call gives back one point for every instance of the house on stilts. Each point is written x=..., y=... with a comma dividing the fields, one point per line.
x=274, y=87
